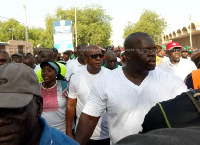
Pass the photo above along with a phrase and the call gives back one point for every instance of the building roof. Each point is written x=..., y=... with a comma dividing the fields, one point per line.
x=4, y=43
x=183, y=32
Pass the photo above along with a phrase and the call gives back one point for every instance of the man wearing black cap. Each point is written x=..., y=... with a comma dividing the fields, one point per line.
x=17, y=57
x=21, y=108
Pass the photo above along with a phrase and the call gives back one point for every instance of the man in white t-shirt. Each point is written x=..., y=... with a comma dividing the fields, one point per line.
x=76, y=64
x=118, y=52
x=177, y=65
x=127, y=94
x=66, y=56
x=111, y=60
x=79, y=88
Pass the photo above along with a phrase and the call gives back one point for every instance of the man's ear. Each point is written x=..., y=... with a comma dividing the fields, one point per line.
x=39, y=101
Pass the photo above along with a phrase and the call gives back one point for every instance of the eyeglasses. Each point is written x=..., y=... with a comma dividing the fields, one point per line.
x=94, y=56
x=147, y=50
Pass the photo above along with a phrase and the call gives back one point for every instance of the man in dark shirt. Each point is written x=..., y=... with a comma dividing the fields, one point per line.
x=21, y=107
x=193, y=79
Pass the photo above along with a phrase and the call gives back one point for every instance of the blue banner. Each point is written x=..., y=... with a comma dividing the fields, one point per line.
x=62, y=33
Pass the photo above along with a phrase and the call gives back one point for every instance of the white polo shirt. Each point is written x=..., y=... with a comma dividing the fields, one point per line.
x=126, y=103
x=79, y=88
x=73, y=67
x=182, y=69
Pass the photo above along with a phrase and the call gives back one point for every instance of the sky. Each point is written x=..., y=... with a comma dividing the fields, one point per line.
x=175, y=12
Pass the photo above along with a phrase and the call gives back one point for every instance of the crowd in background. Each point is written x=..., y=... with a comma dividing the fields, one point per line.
x=98, y=96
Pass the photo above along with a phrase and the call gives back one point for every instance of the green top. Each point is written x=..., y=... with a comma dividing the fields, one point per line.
x=106, y=66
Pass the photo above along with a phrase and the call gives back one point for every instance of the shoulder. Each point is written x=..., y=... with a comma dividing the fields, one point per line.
x=78, y=73
x=60, y=138
x=166, y=136
x=72, y=62
x=167, y=79
x=108, y=77
x=163, y=74
x=164, y=64
x=105, y=70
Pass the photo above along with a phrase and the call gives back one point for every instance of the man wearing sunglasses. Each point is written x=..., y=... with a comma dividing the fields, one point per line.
x=4, y=57
x=129, y=92
x=79, y=89
x=175, y=64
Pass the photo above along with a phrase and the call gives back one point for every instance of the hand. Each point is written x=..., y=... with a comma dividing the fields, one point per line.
x=70, y=135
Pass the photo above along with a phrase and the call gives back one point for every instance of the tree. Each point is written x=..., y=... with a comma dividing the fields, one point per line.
x=12, y=29
x=149, y=23
x=93, y=24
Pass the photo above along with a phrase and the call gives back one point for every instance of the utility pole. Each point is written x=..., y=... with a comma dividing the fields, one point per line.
x=190, y=31
x=75, y=27
x=26, y=30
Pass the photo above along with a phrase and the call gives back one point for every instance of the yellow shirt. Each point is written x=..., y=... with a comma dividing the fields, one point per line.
x=62, y=69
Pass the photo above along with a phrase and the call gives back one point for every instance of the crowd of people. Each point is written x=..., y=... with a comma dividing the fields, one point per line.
x=100, y=96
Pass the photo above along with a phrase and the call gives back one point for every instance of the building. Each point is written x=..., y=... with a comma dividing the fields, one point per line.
x=16, y=46
x=182, y=36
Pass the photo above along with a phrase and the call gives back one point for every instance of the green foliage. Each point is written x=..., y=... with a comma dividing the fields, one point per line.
x=93, y=25
x=128, y=29
x=150, y=23
x=12, y=29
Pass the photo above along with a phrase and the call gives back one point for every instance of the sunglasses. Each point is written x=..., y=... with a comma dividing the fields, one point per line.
x=94, y=56
x=175, y=50
x=2, y=60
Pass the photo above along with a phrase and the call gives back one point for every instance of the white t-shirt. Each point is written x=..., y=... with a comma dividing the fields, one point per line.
x=126, y=103
x=69, y=61
x=37, y=67
x=182, y=69
x=79, y=88
x=118, y=59
x=73, y=67
x=54, y=105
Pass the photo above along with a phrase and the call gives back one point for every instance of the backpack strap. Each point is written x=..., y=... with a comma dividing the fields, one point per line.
x=164, y=114
x=195, y=98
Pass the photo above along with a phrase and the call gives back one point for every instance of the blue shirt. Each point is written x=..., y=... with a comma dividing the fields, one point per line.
x=52, y=136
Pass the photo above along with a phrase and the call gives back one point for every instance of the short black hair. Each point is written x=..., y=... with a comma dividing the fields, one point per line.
x=54, y=49
x=68, y=52
x=6, y=54
x=134, y=39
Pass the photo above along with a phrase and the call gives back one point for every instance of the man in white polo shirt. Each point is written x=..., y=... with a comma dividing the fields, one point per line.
x=79, y=88
x=127, y=94
x=76, y=64
x=176, y=65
